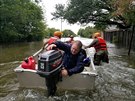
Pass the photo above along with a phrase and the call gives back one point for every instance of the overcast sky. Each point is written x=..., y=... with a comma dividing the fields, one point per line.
x=49, y=7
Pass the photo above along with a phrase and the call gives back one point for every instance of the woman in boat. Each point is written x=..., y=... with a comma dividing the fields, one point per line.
x=101, y=49
x=73, y=57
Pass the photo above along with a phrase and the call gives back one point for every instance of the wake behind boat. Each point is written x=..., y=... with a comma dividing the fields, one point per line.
x=30, y=78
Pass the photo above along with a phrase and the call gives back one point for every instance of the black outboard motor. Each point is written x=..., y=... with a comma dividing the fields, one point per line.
x=49, y=67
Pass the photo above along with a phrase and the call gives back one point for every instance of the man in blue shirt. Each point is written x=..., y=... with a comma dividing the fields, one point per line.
x=73, y=57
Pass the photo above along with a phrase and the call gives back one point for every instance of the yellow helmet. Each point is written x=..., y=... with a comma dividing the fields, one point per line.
x=58, y=34
x=97, y=34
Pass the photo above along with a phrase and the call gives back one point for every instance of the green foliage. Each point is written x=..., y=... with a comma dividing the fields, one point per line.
x=80, y=32
x=100, y=25
x=125, y=11
x=87, y=32
x=60, y=11
x=100, y=12
x=67, y=33
x=49, y=32
x=130, y=16
x=20, y=20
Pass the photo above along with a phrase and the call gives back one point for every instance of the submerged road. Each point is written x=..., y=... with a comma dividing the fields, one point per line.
x=115, y=81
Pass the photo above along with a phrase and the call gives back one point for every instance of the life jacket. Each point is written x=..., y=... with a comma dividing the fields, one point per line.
x=101, y=45
x=52, y=39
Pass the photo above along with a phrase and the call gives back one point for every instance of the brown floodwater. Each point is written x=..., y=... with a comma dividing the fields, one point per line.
x=115, y=81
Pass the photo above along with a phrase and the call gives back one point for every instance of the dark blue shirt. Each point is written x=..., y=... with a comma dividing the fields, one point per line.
x=72, y=63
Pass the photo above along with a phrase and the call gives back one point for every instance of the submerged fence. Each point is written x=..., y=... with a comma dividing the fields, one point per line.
x=121, y=38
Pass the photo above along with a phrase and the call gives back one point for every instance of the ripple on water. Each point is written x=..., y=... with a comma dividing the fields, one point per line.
x=116, y=81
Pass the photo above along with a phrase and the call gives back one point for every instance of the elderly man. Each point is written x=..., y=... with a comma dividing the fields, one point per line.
x=73, y=57
x=72, y=61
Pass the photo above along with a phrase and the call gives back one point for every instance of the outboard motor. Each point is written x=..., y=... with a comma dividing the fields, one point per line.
x=49, y=67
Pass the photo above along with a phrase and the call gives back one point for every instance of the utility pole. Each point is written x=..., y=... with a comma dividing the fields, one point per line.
x=61, y=24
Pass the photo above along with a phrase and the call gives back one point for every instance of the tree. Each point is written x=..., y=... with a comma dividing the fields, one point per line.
x=125, y=9
x=80, y=32
x=99, y=12
x=67, y=33
x=50, y=31
x=20, y=20
x=60, y=12
x=87, y=32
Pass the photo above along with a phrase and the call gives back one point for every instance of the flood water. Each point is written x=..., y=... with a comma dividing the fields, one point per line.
x=115, y=81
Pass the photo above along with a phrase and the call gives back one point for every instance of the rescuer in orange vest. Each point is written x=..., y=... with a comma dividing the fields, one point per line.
x=56, y=36
x=101, y=49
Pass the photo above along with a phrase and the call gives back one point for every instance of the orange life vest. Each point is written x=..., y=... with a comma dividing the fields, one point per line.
x=52, y=39
x=101, y=45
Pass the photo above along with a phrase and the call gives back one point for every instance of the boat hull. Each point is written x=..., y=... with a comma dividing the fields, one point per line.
x=30, y=79
x=85, y=80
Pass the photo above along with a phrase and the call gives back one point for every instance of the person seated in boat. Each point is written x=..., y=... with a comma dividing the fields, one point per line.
x=73, y=57
x=71, y=40
x=100, y=46
x=56, y=36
